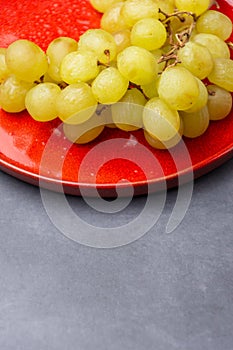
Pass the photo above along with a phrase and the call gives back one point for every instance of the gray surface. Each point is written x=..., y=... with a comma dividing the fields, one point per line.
x=163, y=292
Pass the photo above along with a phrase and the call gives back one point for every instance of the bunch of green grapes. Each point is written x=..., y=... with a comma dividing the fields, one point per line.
x=162, y=66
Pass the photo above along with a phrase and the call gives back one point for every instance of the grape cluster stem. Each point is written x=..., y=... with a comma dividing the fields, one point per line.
x=182, y=38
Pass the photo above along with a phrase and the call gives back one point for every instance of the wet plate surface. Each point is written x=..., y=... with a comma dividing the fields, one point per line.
x=23, y=140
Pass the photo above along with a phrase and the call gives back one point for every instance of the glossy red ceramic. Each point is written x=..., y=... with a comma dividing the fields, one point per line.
x=23, y=140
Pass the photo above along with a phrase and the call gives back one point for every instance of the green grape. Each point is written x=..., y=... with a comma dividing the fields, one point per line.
x=158, y=54
x=167, y=6
x=112, y=20
x=56, y=51
x=79, y=66
x=222, y=73
x=103, y=5
x=85, y=132
x=219, y=102
x=4, y=71
x=102, y=116
x=202, y=98
x=112, y=64
x=26, y=60
x=76, y=103
x=12, y=94
x=193, y=34
x=160, y=120
x=40, y=101
x=48, y=79
x=135, y=10
x=151, y=90
x=216, y=46
x=109, y=86
x=100, y=42
x=138, y=65
x=111, y=126
x=127, y=114
x=195, y=124
x=178, y=88
x=196, y=6
x=215, y=22
x=156, y=143
x=105, y=113
x=91, y=135
x=122, y=39
x=178, y=24
x=197, y=59
x=148, y=33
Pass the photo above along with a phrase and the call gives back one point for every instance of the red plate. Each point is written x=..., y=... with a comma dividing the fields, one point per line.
x=23, y=140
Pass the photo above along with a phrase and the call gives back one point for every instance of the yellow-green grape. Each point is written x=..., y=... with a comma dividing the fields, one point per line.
x=79, y=66
x=112, y=20
x=127, y=114
x=112, y=64
x=109, y=86
x=56, y=51
x=197, y=59
x=122, y=39
x=178, y=88
x=216, y=46
x=111, y=126
x=156, y=143
x=40, y=101
x=100, y=42
x=160, y=120
x=76, y=103
x=178, y=24
x=105, y=113
x=48, y=79
x=222, y=73
x=138, y=65
x=196, y=6
x=103, y=5
x=219, y=102
x=12, y=94
x=151, y=90
x=135, y=10
x=167, y=6
x=195, y=124
x=148, y=33
x=85, y=132
x=192, y=35
x=215, y=22
x=26, y=60
x=4, y=71
x=91, y=135
x=166, y=48
x=158, y=54
x=202, y=98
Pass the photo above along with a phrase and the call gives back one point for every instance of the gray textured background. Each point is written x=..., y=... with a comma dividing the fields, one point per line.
x=163, y=292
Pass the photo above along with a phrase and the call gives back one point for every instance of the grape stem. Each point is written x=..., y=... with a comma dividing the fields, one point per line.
x=216, y=4
x=132, y=86
x=107, y=53
x=172, y=55
x=211, y=93
x=178, y=40
x=62, y=85
x=41, y=80
x=178, y=14
x=230, y=45
x=100, y=110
